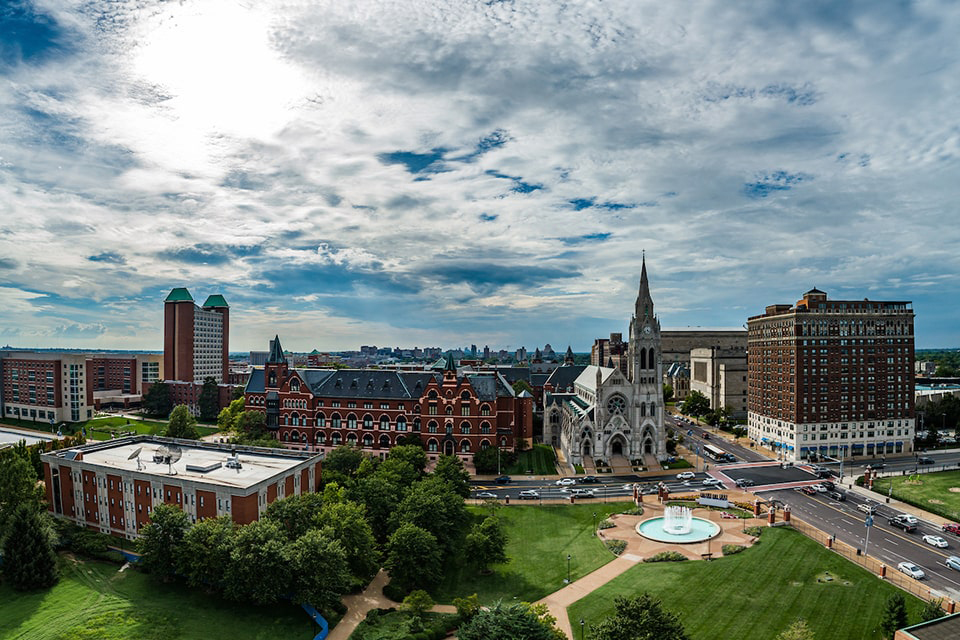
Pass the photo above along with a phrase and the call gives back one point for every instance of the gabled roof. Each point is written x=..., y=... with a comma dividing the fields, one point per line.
x=256, y=382
x=216, y=301
x=276, y=352
x=564, y=377
x=512, y=374
x=180, y=294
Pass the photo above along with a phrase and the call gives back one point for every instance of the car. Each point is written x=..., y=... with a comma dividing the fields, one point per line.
x=706, y=436
x=924, y=460
x=686, y=475
x=829, y=485
x=839, y=496
x=529, y=494
x=744, y=482
x=566, y=482
x=824, y=474
x=876, y=465
x=867, y=507
x=952, y=527
x=502, y=479
x=729, y=457
x=589, y=479
x=711, y=482
x=582, y=493
x=936, y=541
x=820, y=488
x=810, y=491
x=900, y=523
x=487, y=495
x=906, y=517
x=818, y=469
x=911, y=570
x=953, y=562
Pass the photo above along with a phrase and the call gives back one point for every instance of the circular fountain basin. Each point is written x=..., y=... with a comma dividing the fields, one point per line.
x=700, y=530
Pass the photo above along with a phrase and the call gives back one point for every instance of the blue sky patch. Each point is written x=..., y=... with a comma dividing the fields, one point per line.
x=519, y=186
x=774, y=181
x=579, y=204
x=590, y=237
x=110, y=257
x=488, y=217
x=29, y=35
x=415, y=162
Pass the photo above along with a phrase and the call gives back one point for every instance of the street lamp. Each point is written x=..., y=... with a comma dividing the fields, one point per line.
x=594, y=523
x=567, y=581
x=581, y=628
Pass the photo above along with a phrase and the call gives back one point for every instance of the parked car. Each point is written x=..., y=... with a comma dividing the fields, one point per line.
x=487, y=495
x=952, y=527
x=686, y=475
x=820, y=488
x=582, y=493
x=911, y=570
x=566, y=482
x=744, y=482
x=706, y=436
x=900, y=523
x=839, y=496
x=529, y=494
x=711, y=482
x=924, y=460
x=824, y=474
x=502, y=479
x=810, y=491
x=589, y=480
x=953, y=562
x=867, y=507
x=936, y=541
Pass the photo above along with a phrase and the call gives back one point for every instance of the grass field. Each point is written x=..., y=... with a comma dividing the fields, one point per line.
x=94, y=600
x=541, y=460
x=758, y=593
x=539, y=540
x=934, y=492
x=101, y=428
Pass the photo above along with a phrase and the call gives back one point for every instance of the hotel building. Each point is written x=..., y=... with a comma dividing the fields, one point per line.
x=831, y=377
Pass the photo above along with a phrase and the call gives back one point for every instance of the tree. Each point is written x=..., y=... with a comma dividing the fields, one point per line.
x=209, y=400
x=515, y=620
x=296, y=514
x=205, y=552
x=667, y=393
x=522, y=385
x=381, y=497
x=932, y=609
x=398, y=471
x=344, y=459
x=493, y=460
x=319, y=570
x=258, y=570
x=18, y=485
x=487, y=543
x=417, y=604
x=413, y=558
x=29, y=561
x=227, y=415
x=640, y=618
x=410, y=453
x=894, y=615
x=696, y=404
x=157, y=400
x=432, y=504
x=160, y=540
x=797, y=631
x=181, y=424
x=346, y=523
x=452, y=471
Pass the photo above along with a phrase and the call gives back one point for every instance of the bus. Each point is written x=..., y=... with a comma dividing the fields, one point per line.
x=714, y=453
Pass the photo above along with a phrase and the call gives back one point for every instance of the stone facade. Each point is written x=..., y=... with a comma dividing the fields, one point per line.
x=721, y=375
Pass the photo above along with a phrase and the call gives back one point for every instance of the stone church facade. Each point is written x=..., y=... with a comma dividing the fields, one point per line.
x=606, y=413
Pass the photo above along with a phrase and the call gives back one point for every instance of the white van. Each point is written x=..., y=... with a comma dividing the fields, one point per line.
x=953, y=562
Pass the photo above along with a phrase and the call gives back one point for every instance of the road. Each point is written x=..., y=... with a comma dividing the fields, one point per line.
x=694, y=435
x=608, y=488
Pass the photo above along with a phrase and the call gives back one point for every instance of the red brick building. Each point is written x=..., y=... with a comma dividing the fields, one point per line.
x=113, y=486
x=196, y=340
x=320, y=409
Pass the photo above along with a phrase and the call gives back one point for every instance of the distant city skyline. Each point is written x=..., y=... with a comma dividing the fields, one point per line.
x=370, y=173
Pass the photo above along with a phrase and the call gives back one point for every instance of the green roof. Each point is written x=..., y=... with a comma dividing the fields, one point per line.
x=180, y=294
x=216, y=300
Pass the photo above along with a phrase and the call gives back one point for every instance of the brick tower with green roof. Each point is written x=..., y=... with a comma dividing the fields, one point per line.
x=196, y=339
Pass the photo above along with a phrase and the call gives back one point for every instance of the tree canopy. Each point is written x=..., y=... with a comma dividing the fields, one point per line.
x=413, y=558
x=640, y=618
x=696, y=404
x=29, y=561
x=894, y=615
x=161, y=538
x=205, y=552
x=181, y=424
x=209, y=400
x=487, y=542
x=157, y=400
x=515, y=620
x=452, y=471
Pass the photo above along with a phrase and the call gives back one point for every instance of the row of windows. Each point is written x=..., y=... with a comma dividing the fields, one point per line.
x=335, y=439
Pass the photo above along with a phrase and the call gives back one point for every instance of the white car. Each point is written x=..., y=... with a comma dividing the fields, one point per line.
x=711, y=482
x=582, y=493
x=566, y=482
x=936, y=541
x=487, y=495
x=529, y=494
x=820, y=488
x=867, y=507
x=686, y=475
x=911, y=570
x=909, y=519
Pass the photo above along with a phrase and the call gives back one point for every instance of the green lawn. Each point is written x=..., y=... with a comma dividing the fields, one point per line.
x=541, y=460
x=758, y=593
x=101, y=428
x=94, y=600
x=539, y=540
x=935, y=492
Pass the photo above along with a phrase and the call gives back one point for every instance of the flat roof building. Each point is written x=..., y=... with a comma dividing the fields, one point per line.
x=113, y=485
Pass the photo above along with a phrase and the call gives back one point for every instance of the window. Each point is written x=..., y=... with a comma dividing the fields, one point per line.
x=352, y=422
x=367, y=421
x=485, y=410
x=384, y=423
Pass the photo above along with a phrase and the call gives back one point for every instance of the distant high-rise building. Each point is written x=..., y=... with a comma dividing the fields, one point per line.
x=196, y=339
x=831, y=377
x=486, y=352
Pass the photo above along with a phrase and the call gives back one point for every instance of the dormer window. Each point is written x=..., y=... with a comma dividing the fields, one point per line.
x=295, y=386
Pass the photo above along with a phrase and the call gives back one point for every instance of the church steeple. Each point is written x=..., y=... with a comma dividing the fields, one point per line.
x=644, y=306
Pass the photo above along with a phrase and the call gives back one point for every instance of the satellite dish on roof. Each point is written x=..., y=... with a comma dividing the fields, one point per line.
x=169, y=454
x=136, y=454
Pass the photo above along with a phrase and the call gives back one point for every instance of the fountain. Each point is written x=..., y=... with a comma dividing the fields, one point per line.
x=677, y=525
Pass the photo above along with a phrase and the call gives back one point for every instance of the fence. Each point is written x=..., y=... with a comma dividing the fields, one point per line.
x=872, y=565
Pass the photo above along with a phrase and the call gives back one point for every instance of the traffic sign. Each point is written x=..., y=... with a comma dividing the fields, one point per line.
x=868, y=521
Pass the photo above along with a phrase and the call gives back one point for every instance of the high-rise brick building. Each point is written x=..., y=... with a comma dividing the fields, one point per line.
x=832, y=377
x=196, y=339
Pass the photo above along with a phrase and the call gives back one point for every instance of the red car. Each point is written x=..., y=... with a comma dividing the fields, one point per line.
x=952, y=527
x=810, y=491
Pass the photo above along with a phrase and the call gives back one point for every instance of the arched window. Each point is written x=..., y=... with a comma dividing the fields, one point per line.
x=295, y=386
x=464, y=427
x=335, y=439
x=432, y=426
x=432, y=445
x=464, y=446
x=351, y=421
x=465, y=396
x=303, y=437
x=294, y=435
x=643, y=409
x=401, y=424
x=555, y=417
x=321, y=420
x=484, y=444
x=384, y=423
x=484, y=409
x=367, y=421
x=295, y=419
x=367, y=440
x=416, y=424
x=286, y=436
x=384, y=442
x=320, y=439
x=352, y=439
x=449, y=410
x=503, y=442
x=432, y=395
x=335, y=421
x=484, y=427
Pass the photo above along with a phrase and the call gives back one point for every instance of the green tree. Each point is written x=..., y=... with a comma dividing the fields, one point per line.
x=932, y=609
x=161, y=539
x=797, y=631
x=345, y=522
x=157, y=401
x=227, y=415
x=433, y=505
x=258, y=570
x=417, y=604
x=640, y=618
x=412, y=454
x=318, y=567
x=487, y=542
x=515, y=620
x=452, y=471
x=29, y=561
x=696, y=404
x=205, y=552
x=18, y=485
x=296, y=514
x=413, y=558
x=251, y=425
x=467, y=607
x=522, y=385
x=667, y=393
x=894, y=615
x=381, y=498
x=493, y=460
x=344, y=459
x=398, y=471
x=181, y=424
x=209, y=400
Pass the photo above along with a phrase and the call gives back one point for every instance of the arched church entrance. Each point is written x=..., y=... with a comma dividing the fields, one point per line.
x=586, y=448
x=616, y=448
x=648, y=446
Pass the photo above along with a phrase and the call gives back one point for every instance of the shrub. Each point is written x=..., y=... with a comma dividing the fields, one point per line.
x=731, y=549
x=616, y=547
x=859, y=481
x=753, y=531
x=606, y=523
x=666, y=556
x=636, y=511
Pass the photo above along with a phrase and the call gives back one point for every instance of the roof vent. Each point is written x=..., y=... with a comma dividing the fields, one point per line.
x=353, y=384
x=338, y=384
x=370, y=383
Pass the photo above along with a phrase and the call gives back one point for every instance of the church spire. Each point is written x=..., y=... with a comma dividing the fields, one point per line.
x=276, y=352
x=644, y=307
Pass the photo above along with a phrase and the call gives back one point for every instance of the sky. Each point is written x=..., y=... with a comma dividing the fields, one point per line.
x=448, y=172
